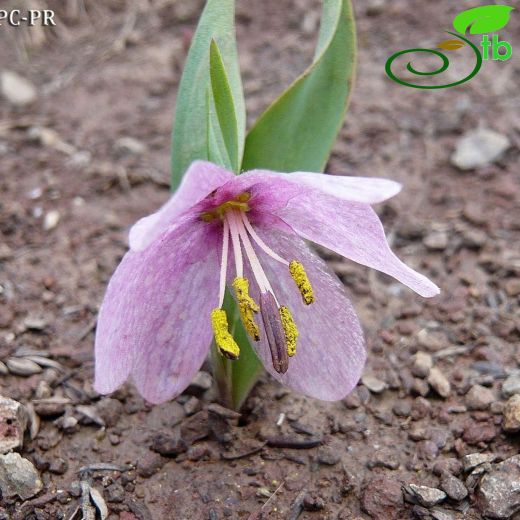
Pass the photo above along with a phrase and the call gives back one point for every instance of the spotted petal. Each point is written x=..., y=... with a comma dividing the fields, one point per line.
x=330, y=352
x=155, y=319
x=200, y=179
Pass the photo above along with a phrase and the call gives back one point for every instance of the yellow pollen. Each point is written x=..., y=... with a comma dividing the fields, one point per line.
x=239, y=202
x=290, y=329
x=225, y=342
x=302, y=281
x=247, y=307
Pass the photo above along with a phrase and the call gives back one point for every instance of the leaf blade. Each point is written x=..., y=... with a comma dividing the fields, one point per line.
x=224, y=106
x=191, y=139
x=298, y=130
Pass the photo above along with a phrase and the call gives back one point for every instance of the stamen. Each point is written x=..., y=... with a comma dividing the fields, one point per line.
x=275, y=332
x=225, y=342
x=235, y=239
x=223, y=264
x=290, y=330
x=302, y=281
x=247, y=307
x=260, y=242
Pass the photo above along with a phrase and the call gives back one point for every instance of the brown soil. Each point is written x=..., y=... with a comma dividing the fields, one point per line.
x=109, y=73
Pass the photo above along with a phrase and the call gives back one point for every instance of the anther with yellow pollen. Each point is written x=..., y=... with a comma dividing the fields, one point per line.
x=281, y=332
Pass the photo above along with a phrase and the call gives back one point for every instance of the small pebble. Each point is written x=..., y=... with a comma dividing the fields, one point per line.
x=511, y=386
x=453, y=487
x=511, y=414
x=479, y=398
x=422, y=364
x=375, y=385
x=427, y=496
x=439, y=383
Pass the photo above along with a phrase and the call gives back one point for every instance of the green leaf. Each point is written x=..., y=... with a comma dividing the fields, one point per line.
x=298, y=130
x=484, y=19
x=224, y=106
x=197, y=132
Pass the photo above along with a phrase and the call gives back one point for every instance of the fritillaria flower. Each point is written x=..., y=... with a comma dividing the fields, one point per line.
x=163, y=305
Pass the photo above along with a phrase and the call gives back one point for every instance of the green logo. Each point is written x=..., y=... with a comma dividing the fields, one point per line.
x=479, y=20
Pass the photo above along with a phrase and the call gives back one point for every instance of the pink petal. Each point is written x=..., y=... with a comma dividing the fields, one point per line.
x=369, y=190
x=353, y=230
x=200, y=179
x=155, y=318
x=330, y=353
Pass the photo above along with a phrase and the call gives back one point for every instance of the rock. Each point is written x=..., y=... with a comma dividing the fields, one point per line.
x=149, y=464
x=426, y=496
x=436, y=241
x=130, y=145
x=168, y=445
x=200, y=384
x=382, y=498
x=18, y=477
x=511, y=414
x=479, y=148
x=498, y=494
x=23, y=367
x=192, y=405
x=439, y=383
x=454, y=488
x=109, y=410
x=328, y=456
x=51, y=220
x=450, y=465
x=16, y=89
x=402, y=408
x=473, y=460
x=115, y=493
x=58, y=466
x=479, y=398
x=13, y=422
x=512, y=287
x=422, y=364
x=375, y=385
x=511, y=385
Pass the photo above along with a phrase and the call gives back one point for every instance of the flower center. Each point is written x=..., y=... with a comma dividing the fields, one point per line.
x=280, y=329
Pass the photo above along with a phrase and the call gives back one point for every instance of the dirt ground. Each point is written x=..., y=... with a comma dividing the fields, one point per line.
x=72, y=182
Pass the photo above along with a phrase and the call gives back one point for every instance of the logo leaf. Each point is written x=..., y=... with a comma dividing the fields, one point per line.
x=484, y=19
x=450, y=45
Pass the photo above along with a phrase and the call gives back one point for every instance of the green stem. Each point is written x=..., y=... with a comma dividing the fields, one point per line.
x=222, y=374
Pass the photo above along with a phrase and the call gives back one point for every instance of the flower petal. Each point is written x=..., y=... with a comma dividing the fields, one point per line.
x=353, y=230
x=330, y=352
x=155, y=318
x=200, y=179
x=356, y=189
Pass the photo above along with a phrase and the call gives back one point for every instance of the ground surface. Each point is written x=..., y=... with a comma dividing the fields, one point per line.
x=112, y=74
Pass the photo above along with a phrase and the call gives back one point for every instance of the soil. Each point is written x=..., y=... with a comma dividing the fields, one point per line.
x=110, y=71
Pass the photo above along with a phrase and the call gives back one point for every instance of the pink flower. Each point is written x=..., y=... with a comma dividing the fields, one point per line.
x=163, y=304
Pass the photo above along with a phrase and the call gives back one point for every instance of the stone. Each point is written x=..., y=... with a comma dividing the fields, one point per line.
x=450, y=465
x=201, y=383
x=479, y=398
x=498, y=493
x=426, y=496
x=511, y=386
x=168, y=445
x=192, y=405
x=51, y=220
x=402, y=408
x=375, y=385
x=13, y=422
x=109, y=410
x=439, y=383
x=436, y=241
x=130, y=145
x=23, y=367
x=479, y=148
x=18, y=90
x=328, y=456
x=422, y=364
x=511, y=415
x=454, y=487
x=58, y=466
x=382, y=498
x=473, y=460
x=18, y=477
x=149, y=464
